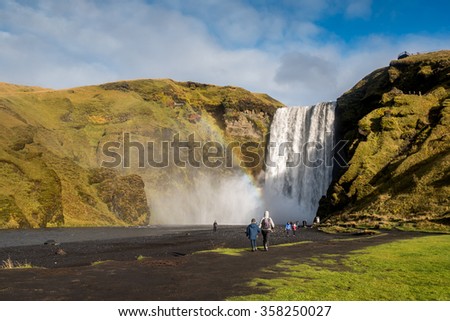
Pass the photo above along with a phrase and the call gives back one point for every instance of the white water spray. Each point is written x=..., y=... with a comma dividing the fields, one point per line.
x=227, y=199
x=299, y=161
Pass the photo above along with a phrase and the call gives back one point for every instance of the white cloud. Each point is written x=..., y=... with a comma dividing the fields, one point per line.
x=359, y=9
x=309, y=71
x=306, y=29
x=63, y=44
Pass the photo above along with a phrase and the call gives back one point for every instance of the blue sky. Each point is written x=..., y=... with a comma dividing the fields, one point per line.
x=298, y=51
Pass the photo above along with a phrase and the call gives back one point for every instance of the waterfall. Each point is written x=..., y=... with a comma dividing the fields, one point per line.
x=299, y=161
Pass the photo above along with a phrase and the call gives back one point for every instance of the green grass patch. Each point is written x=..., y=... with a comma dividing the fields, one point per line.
x=100, y=262
x=425, y=226
x=291, y=244
x=225, y=251
x=240, y=251
x=349, y=228
x=416, y=269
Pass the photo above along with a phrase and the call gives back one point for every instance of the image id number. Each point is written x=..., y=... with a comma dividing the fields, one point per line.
x=295, y=311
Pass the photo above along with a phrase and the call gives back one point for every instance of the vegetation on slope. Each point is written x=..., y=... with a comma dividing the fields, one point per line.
x=397, y=121
x=51, y=145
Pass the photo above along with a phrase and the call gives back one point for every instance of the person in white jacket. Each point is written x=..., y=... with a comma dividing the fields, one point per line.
x=266, y=225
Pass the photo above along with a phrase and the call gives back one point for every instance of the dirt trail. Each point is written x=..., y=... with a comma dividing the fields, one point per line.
x=170, y=272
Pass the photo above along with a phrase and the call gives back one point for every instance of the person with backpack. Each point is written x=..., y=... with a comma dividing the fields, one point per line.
x=266, y=225
x=252, y=233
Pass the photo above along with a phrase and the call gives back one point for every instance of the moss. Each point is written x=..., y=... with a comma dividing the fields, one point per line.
x=426, y=70
x=401, y=135
x=98, y=175
x=51, y=144
x=23, y=135
x=10, y=214
x=125, y=197
x=49, y=197
x=394, y=73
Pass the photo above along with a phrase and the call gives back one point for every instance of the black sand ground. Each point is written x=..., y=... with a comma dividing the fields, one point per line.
x=170, y=270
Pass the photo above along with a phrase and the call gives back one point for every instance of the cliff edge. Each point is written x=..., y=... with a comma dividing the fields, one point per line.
x=396, y=122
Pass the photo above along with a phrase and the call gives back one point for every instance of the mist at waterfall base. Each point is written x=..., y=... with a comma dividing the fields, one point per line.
x=227, y=199
x=299, y=136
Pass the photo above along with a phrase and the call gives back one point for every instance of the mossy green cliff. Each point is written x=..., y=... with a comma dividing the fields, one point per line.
x=51, y=143
x=397, y=123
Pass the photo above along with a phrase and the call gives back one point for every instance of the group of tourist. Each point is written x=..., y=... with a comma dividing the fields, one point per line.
x=291, y=227
x=265, y=227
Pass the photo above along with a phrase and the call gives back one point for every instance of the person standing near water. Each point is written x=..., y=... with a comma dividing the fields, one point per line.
x=252, y=233
x=266, y=225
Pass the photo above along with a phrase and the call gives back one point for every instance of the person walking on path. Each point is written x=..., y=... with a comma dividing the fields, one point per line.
x=252, y=233
x=215, y=226
x=266, y=225
x=288, y=228
x=294, y=228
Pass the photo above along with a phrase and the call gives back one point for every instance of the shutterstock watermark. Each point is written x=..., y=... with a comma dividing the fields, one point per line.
x=212, y=154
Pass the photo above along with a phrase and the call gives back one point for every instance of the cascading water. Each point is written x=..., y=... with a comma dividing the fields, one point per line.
x=299, y=161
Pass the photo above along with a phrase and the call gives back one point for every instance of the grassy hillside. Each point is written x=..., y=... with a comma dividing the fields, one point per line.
x=397, y=122
x=51, y=145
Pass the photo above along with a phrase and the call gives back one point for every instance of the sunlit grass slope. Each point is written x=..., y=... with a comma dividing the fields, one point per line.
x=51, y=142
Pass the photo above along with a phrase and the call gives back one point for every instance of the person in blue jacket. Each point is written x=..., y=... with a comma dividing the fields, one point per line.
x=288, y=228
x=252, y=233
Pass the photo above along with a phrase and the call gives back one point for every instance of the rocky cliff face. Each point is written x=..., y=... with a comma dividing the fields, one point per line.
x=397, y=122
x=51, y=146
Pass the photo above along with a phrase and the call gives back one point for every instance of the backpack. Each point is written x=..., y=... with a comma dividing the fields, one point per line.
x=266, y=224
